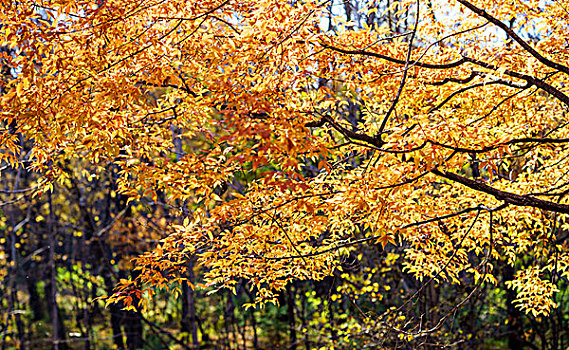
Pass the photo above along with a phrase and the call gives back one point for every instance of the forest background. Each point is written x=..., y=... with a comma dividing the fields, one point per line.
x=246, y=174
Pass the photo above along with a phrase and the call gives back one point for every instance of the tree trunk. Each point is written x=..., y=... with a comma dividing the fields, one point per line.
x=35, y=299
x=116, y=314
x=290, y=313
x=133, y=329
x=514, y=328
x=189, y=324
x=302, y=315
x=53, y=283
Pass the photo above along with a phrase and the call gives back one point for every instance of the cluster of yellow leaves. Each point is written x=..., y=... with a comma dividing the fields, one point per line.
x=534, y=294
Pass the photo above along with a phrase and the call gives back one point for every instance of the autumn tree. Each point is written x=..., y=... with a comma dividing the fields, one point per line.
x=288, y=137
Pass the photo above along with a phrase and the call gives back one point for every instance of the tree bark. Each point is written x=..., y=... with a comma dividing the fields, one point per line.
x=514, y=328
x=290, y=313
x=53, y=284
x=189, y=324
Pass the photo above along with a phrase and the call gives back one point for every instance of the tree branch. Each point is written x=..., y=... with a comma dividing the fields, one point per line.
x=394, y=60
x=508, y=197
x=511, y=33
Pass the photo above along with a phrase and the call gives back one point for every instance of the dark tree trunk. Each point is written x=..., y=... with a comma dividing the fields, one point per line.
x=189, y=324
x=302, y=315
x=253, y=319
x=19, y=322
x=35, y=300
x=514, y=328
x=290, y=314
x=56, y=318
x=133, y=329
x=116, y=314
x=53, y=274
x=228, y=321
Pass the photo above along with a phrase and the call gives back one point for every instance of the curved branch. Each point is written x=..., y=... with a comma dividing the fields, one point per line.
x=394, y=60
x=494, y=82
x=532, y=80
x=495, y=108
x=516, y=37
x=417, y=61
x=493, y=147
x=508, y=197
x=446, y=80
x=346, y=132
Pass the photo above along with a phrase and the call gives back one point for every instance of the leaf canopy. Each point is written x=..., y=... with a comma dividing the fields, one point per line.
x=286, y=144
